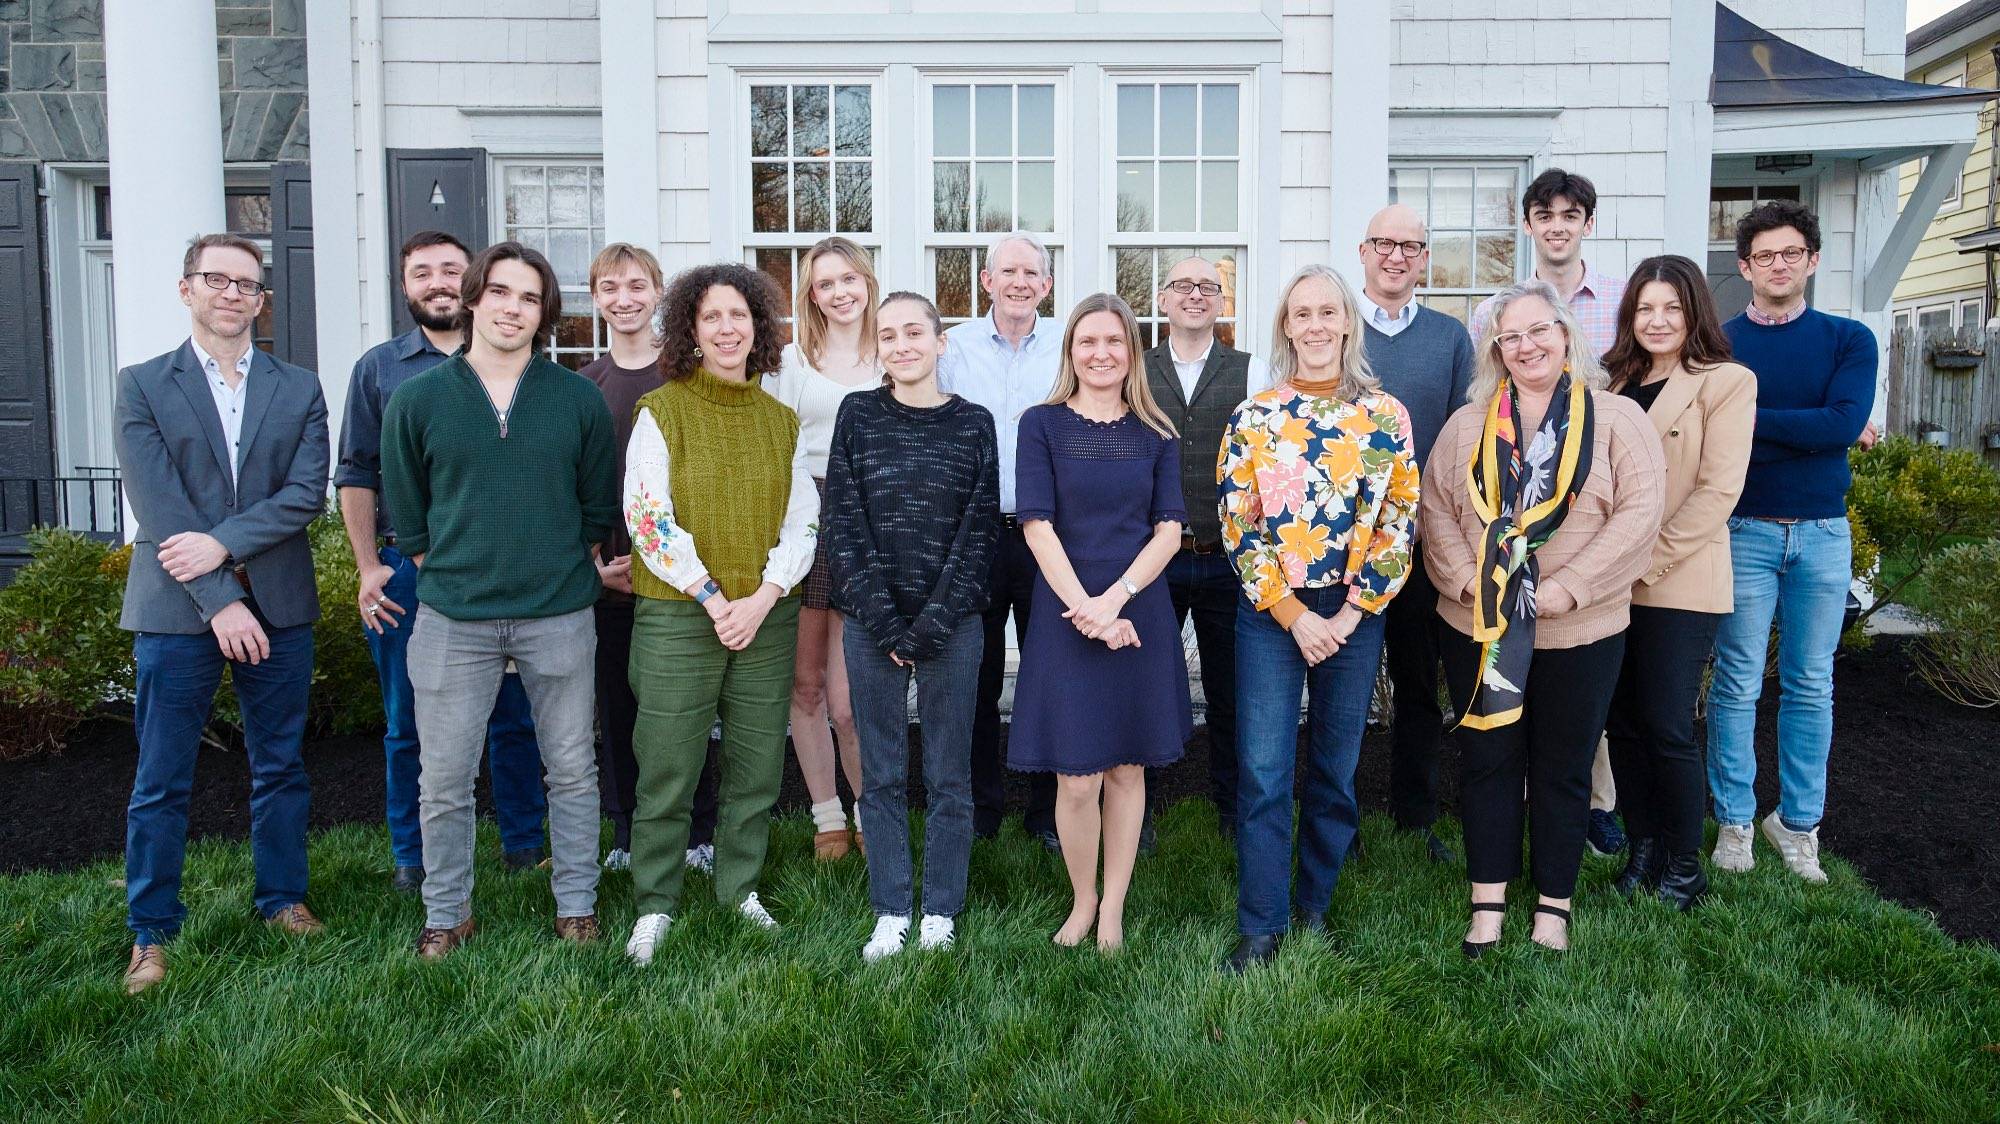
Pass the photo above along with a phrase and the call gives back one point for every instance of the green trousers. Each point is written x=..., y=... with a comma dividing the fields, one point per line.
x=685, y=679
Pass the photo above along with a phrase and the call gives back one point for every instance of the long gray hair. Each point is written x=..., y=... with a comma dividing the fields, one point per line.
x=1357, y=378
x=1582, y=364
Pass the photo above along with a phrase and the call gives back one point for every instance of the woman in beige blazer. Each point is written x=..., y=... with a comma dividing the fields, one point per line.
x=1672, y=358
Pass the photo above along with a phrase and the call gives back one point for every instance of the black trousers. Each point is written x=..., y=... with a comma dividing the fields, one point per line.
x=1011, y=588
x=617, y=713
x=1552, y=744
x=1205, y=587
x=1411, y=633
x=1654, y=758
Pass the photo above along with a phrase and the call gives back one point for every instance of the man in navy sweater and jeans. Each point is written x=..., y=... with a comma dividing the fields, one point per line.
x=1788, y=540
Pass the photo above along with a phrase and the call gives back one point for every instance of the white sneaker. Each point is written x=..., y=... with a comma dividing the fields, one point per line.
x=755, y=911
x=887, y=940
x=618, y=858
x=702, y=858
x=1800, y=848
x=646, y=934
x=936, y=931
x=1732, y=848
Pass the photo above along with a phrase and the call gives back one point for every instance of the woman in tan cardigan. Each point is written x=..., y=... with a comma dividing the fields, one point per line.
x=1673, y=360
x=1541, y=505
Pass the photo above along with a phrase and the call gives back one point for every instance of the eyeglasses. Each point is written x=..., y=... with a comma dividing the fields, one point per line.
x=1383, y=247
x=1793, y=255
x=1185, y=286
x=1538, y=334
x=221, y=281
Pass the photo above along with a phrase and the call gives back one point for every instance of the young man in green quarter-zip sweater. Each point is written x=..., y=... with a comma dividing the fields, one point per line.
x=500, y=472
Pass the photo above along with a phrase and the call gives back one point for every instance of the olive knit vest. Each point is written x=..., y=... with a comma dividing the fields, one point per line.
x=729, y=471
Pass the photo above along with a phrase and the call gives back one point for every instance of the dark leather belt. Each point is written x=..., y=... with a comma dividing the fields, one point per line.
x=389, y=539
x=1782, y=521
x=1189, y=544
x=1008, y=521
x=242, y=573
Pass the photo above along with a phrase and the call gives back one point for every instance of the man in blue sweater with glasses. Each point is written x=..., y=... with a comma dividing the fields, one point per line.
x=1789, y=542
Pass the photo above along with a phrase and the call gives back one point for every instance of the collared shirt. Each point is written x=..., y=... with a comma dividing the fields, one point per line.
x=229, y=401
x=1594, y=304
x=1382, y=320
x=377, y=374
x=1759, y=316
x=981, y=366
x=1188, y=371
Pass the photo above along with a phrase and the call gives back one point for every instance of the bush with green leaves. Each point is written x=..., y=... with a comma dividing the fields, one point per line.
x=1961, y=655
x=1910, y=500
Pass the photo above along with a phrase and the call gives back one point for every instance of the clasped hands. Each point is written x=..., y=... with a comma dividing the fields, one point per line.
x=737, y=622
x=1097, y=618
x=1319, y=637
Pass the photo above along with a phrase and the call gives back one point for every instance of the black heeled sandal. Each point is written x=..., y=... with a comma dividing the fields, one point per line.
x=1473, y=950
x=1552, y=911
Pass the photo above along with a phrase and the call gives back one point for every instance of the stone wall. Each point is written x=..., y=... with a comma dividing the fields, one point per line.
x=52, y=79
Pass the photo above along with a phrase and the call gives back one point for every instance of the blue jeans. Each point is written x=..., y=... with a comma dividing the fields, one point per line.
x=1271, y=674
x=515, y=760
x=177, y=679
x=1205, y=586
x=1797, y=573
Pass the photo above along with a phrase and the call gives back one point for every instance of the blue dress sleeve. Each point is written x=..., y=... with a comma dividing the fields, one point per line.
x=1034, y=468
x=1169, y=504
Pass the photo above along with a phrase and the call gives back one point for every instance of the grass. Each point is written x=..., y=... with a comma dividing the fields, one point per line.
x=1778, y=1001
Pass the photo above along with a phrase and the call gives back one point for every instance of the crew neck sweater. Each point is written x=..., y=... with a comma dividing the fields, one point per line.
x=504, y=523
x=1815, y=387
x=912, y=517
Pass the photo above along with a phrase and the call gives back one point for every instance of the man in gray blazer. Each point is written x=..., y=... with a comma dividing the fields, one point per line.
x=222, y=450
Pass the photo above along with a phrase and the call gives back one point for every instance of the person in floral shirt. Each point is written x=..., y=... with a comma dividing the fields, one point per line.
x=1318, y=489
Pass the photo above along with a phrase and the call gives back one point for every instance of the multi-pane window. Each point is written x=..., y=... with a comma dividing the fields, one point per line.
x=993, y=169
x=1176, y=171
x=1473, y=213
x=1728, y=203
x=812, y=170
x=557, y=207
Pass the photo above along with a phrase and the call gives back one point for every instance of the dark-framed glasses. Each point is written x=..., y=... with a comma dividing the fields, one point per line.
x=221, y=281
x=1792, y=255
x=1383, y=247
x=1185, y=286
x=1541, y=335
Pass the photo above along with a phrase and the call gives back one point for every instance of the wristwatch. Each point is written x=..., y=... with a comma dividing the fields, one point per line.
x=1130, y=589
x=708, y=589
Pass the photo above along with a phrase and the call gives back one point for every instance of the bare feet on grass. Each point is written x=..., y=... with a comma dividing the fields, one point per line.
x=1082, y=915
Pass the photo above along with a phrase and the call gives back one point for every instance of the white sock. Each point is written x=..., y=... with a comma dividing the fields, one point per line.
x=829, y=816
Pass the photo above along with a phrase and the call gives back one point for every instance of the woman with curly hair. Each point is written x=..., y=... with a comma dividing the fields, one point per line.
x=721, y=510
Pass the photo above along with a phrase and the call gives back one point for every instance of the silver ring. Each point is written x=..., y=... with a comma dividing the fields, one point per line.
x=374, y=608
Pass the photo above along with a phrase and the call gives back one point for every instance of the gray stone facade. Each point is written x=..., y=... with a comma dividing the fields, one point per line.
x=52, y=79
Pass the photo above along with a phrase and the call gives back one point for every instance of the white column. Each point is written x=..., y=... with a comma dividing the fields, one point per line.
x=628, y=85
x=1690, y=127
x=1362, y=43
x=163, y=116
x=336, y=217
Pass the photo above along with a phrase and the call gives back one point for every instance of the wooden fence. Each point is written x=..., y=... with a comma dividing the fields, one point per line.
x=1944, y=387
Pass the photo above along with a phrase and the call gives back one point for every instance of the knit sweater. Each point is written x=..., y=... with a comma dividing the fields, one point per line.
x=716, y=486
x=504, y=523
x=912, y=516
x=1815, y=387
x=1426, y=367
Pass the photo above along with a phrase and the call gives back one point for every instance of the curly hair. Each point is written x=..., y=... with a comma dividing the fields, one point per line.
x=680, y=354
x=1777, y=215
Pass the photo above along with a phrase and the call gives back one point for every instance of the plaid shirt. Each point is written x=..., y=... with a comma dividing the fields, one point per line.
x=1759, y=316
x=1595, y=305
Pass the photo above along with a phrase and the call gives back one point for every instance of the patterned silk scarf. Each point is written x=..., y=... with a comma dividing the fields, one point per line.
x=1522, y=496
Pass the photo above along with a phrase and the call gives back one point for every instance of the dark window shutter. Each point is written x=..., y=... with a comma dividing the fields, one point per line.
x=296, y=333
x=434, y=189
x=27, y=443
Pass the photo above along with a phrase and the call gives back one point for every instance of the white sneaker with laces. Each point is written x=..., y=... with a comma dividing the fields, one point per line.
x=754, y=910
x=936, y=931
x=618, y=858
x=646, y=934
x=887, y=940
x=1800, y=848
x=702, y=858
x=1732, y=848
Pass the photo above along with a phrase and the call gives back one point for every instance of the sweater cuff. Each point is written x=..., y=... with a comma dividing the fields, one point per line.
x=1287, y=610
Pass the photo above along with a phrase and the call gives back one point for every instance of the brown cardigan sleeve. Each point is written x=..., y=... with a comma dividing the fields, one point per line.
x=1620, y=550
x=1728, y=400
x=1443, y=509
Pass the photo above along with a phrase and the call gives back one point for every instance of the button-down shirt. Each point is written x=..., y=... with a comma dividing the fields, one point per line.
x=377, y=374
x=981, y=366
x=228, y=401
x=1188, y=371
x=1759, y=316
x=1594, y=304
x=1380, y=318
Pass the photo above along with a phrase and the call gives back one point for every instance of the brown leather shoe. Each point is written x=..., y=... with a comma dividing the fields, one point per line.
x=436, y=944
x=577, y=930
x=832, y=846
x=297, y=920
x=148, y=967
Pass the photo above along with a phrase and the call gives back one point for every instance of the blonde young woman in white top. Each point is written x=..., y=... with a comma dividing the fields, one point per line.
x=833, y=354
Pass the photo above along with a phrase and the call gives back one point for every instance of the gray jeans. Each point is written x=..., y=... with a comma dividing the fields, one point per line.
x=455, y=667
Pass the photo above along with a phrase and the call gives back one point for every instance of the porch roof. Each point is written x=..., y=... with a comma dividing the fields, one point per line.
x=1755, y=69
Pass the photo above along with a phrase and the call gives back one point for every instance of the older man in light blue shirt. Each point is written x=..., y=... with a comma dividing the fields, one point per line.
x=1006, y=361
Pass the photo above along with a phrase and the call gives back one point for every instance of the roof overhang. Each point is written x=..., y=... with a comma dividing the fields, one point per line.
x=1951, y=33
x=1879, y=135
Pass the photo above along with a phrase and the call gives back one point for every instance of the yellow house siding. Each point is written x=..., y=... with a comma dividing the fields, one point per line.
x=1938, y=268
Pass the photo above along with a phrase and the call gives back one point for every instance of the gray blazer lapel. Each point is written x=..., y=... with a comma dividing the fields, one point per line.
x=189, y=376
x=264, y=378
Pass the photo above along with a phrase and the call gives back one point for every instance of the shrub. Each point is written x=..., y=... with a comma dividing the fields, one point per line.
x=1961, y=657
x=62, y=654
x=1909, y=500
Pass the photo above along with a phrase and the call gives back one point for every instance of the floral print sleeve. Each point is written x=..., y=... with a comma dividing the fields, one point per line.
x=1248, y=457
x=660, y=543
x=1379, y=553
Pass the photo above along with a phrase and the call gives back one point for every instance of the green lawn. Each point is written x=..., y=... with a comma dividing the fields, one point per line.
x=1779, y=1001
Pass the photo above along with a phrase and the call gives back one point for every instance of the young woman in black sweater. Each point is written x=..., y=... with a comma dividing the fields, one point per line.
x=911, y=517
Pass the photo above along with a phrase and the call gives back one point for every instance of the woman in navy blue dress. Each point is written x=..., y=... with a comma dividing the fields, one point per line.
x=1103, y=687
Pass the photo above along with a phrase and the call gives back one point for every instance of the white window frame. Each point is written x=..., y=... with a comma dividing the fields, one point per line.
x=1242, y=240
x=1948, y=74
x=738, y=179
x=1061, y=241
x=1473, y=293
x=576, y=297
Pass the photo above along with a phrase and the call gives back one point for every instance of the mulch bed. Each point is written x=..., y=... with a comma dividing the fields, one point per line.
x=1911, y=802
